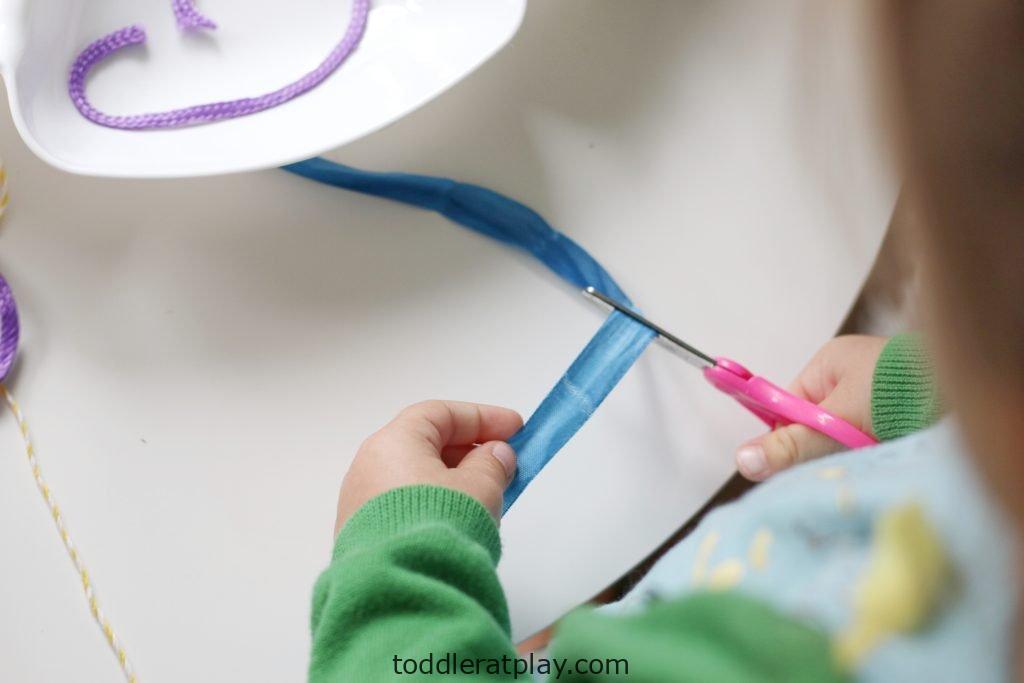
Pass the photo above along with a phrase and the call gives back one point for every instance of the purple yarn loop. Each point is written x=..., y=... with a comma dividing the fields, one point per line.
x=9, y=329
x=190, y=19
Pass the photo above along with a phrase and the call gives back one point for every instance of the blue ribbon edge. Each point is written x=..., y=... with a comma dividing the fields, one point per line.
x=603, y=362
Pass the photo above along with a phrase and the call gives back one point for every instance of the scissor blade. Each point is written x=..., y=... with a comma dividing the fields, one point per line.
x=693, y=356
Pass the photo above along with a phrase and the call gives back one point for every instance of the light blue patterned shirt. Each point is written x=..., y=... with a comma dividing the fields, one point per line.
x=802, y=540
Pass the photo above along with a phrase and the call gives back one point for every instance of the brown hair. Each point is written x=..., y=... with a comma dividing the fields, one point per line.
x=957, y=82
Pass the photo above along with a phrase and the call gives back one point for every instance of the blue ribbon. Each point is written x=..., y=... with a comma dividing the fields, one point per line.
x=601, y=364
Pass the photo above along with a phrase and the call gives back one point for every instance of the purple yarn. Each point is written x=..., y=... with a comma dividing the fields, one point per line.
x=9, y=329
x=213, y=111
x=189, y=19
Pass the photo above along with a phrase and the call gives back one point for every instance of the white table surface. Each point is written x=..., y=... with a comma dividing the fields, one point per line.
x=201, y=358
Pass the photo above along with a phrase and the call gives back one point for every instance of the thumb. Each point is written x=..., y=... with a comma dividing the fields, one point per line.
x=486, y=471
x=780, y=449
x=786, y=446
x=494, y=461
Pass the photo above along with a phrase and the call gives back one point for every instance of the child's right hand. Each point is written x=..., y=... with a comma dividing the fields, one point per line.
x=452, y=444
x=838, y=378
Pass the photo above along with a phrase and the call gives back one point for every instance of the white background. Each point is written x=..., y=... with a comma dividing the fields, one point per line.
x=202, y=357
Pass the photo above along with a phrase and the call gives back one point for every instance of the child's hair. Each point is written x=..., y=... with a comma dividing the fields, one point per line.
x=958, y=95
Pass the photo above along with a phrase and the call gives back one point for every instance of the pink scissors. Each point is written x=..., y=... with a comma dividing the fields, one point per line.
x=770, y=403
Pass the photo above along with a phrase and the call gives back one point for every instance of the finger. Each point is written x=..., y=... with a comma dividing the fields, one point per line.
x=833, y=364
x=453, y=455
x=825, y=370
x=455, y=423
x=816, y=381
x=494, y=462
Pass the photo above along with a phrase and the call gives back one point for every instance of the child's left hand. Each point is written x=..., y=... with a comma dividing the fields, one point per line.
x=434, y=443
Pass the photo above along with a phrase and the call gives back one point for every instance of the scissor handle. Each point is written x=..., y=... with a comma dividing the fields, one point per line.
x=776, y=406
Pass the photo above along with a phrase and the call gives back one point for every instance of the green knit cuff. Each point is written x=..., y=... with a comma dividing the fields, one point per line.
x=904, y=396
x=418, y=507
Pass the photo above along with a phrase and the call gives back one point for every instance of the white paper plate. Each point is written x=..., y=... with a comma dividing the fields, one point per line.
x=412, y=52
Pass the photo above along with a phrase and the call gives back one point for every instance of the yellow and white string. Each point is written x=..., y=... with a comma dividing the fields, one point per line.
x=58, y=517
x=3, y=189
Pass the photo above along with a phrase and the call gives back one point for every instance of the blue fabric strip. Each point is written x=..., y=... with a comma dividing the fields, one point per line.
x=590, y=378
x=598, y=368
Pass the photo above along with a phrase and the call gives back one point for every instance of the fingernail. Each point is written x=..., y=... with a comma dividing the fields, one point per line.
x=752, y=462
x=504, y=454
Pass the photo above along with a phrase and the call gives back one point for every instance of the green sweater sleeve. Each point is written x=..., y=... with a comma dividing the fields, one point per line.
x=706, y=636
x=412, y=583
x=412, y=575
x=904, y=395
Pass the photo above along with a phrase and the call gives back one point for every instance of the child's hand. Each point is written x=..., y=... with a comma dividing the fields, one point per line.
x=433, y=443
x=839, y=379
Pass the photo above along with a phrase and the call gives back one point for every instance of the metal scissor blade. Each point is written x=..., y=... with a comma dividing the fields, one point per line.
x=693, y=356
